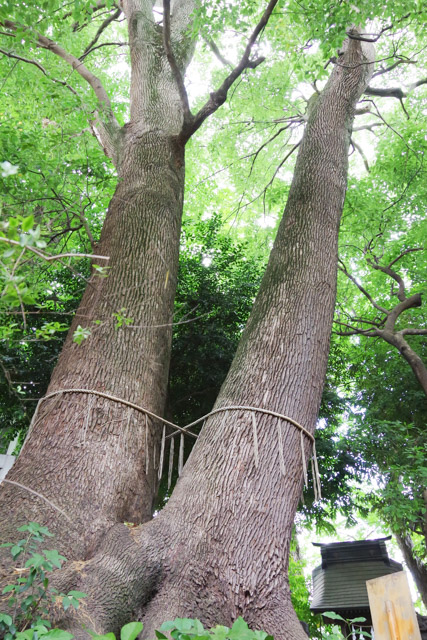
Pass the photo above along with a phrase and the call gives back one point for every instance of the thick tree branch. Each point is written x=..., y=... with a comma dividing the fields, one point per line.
x=218, y=97
x=188, y=116
x=394, y=92
x=392, y=273
x=386, y=329
x=413, y=332
x=409, y=303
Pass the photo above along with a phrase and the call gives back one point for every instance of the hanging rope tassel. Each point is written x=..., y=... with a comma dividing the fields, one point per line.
x=316, y=471
x=254, y=428
x=181, y=455
x=147, y=453
x=87, y=418
x=313, y=473
x=281, y=454
x=171, y=452
x=162, y=452
x=304, y=462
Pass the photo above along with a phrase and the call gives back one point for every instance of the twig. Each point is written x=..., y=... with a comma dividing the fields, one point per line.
x=40, y=67
x=47, y=258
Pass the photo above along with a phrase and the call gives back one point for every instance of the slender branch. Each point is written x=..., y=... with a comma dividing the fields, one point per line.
x=97, y=6
x=369, y=127
x=211, y=44
x=218, y=97
x=188, y=116
x=47, y=258
x=354, y=331
x=360, y=151
x=40, y=67
x=392, y=273
x=381, y=71
x=107, y=131
x=362, y=290
x=404, y=253
x=104, y=44
x=101, y=29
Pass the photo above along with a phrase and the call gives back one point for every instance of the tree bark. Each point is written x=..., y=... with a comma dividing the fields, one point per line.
x=415, y=566
x=87, y=454
x=89, y=457
x=220, y=547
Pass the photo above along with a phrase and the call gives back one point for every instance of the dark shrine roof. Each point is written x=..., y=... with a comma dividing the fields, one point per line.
x=339, y=583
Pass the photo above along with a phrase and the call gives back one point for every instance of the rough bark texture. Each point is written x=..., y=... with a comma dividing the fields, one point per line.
x=220, y=547
x=417, y=568
x=85, y=454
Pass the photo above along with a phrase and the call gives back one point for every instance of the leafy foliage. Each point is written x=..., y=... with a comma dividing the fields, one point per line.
x=29, y=598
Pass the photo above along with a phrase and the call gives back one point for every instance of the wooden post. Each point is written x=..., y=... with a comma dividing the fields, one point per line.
x=393, y=614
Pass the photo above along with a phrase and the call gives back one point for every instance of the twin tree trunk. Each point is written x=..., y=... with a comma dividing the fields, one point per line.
x=220, y=547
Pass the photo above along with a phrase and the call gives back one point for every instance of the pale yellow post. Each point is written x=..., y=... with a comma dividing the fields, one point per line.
x=393, y=614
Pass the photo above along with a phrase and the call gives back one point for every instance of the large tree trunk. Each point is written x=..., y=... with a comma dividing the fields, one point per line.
x=220, y=547
x=85, y=453
x=417, y=568
x=91, y=457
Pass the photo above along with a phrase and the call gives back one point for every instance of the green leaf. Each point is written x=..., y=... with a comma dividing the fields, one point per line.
x=332, y=615
x=160, y=635
x=131, y=630
x=8, y=588
x=106, y=636
x=36, y=561
x=58, y=634
x=28, y=223
x=16, y=551
x=6, y=619
x=77, y=594
x=54, y=557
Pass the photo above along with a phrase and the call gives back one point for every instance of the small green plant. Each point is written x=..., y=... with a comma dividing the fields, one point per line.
x=28, y=599
x=335, y=633
x=188, y=629
x=121, y=319
x=81, y=334
x=129, y=632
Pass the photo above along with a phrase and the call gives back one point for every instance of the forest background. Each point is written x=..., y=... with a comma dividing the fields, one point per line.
x=57, y=183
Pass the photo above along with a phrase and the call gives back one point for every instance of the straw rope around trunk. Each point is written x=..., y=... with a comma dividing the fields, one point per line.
x=185, y=431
